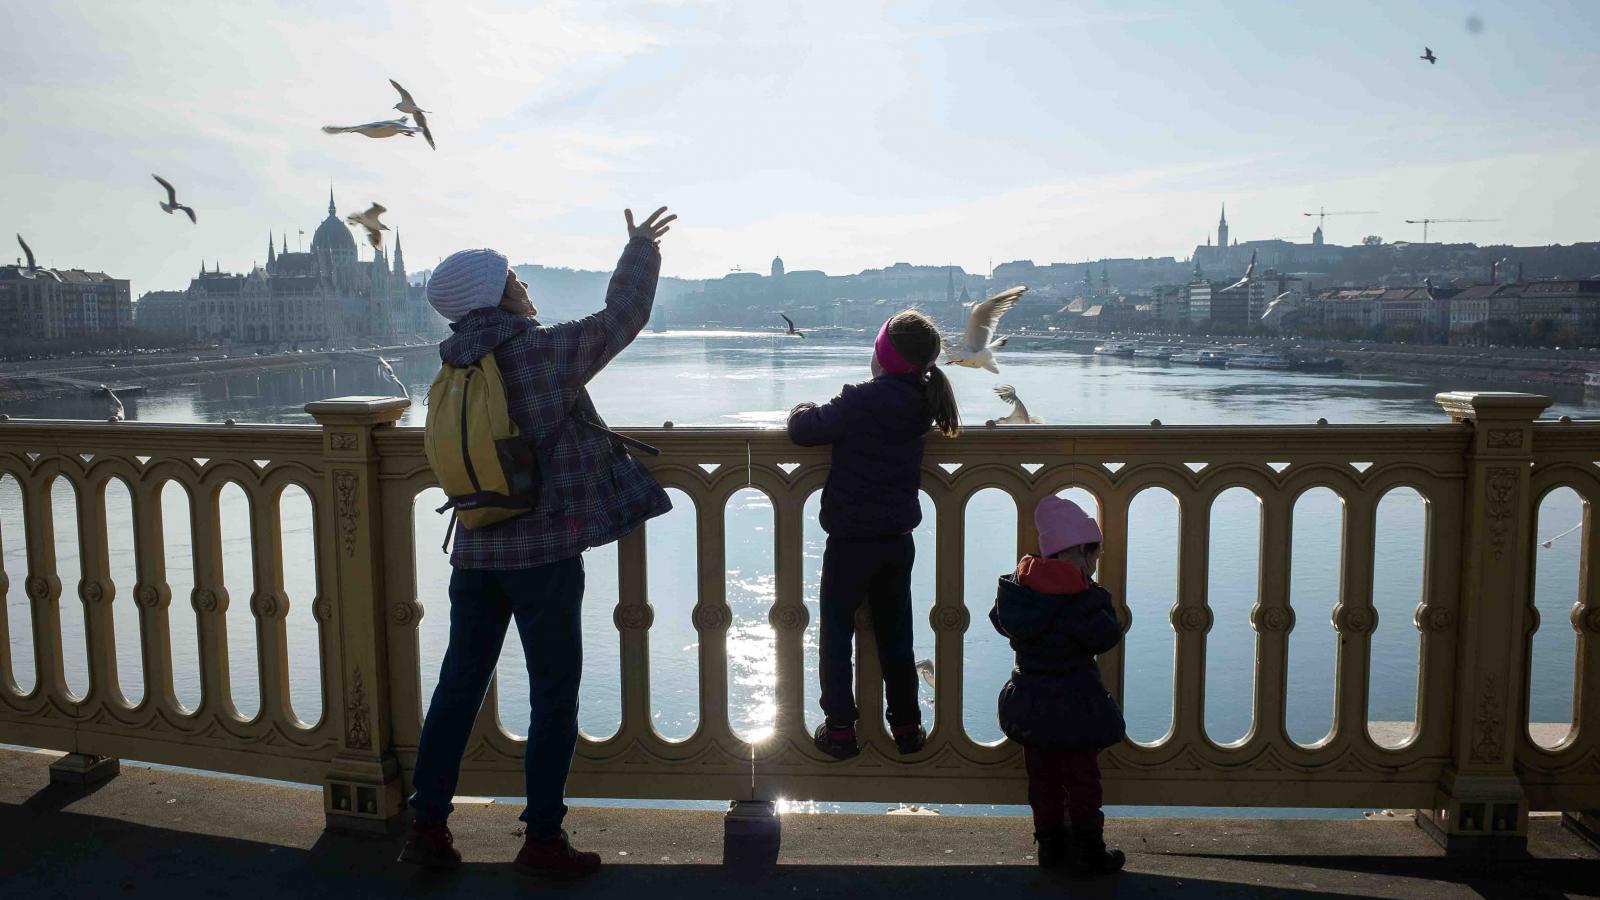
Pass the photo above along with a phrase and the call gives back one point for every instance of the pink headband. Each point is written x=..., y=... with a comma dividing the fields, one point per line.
x=890, y=360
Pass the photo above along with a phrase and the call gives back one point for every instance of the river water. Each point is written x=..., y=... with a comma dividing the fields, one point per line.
x=750, y=380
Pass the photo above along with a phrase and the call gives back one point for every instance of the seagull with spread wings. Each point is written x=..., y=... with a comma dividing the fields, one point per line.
x=1019, y=413
x=171, y=204
x=116, y=409
x=1249, y=274
x=408, y=105
x=385, y=129
x=1427, y=54
x=793, y=331
x=32, y=267
x=977, y=346
x=369, y=221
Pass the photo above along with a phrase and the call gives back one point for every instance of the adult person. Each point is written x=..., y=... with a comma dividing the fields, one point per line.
x=530, y=568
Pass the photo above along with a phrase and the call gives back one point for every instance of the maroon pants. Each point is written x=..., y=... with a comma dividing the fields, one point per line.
x=1063, y=784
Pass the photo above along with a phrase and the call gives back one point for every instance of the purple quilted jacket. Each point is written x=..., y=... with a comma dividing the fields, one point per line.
x=594, y=491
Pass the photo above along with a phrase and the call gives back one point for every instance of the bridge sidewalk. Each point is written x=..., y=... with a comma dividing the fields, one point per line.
x=156, y=833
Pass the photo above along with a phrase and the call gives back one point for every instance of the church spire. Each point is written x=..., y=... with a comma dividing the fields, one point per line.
x=272, y=254
x=1222, y=227
x=286, y=242
x=330, y=199
x=399, y=257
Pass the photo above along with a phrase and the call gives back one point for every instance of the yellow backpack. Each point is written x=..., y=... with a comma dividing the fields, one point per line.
x=487, y=469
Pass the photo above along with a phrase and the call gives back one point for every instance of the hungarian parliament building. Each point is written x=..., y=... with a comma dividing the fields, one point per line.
x=321, y=296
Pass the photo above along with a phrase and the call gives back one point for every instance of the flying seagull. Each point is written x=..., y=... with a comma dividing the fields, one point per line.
x=1427, y=54
x=172, y=205
x=925, y=669
x=369, y=221
x=384, y=129
x=1279, y=309
x=976, y=350
x=1551, y=542
x=1249, y=274
x=793, y=332
x=33, y=267
x=408, y=105
x=116, y=403
x=1019, y=413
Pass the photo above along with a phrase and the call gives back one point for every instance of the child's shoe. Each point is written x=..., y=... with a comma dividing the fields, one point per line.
x=839, y=743
x=908, y=739
x=1089, y=856
x=1055, y=844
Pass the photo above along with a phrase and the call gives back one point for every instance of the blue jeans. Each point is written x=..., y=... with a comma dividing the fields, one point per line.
x=546, y=602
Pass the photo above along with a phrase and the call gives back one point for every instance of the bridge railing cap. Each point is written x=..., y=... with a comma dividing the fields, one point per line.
x=358, y=410
x=1475, y=405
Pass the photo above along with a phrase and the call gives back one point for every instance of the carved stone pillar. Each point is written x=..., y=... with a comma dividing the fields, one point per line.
x=1479, y=808
x=362, y=790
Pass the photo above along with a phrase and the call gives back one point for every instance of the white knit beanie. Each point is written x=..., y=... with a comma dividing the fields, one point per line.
x=467, y=280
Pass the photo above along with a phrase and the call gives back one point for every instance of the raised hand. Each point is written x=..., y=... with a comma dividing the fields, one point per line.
x=652, y=228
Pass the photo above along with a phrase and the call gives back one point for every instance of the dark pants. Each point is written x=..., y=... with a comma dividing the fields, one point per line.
x=546, y=601
x=1063, y=784
x=879, y=572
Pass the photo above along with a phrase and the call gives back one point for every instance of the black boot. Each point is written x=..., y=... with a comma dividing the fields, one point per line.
x=1055, y=845
x=1090, y=857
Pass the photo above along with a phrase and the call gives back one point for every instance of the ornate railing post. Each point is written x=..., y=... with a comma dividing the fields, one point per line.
x=362, y=789
x=1480, y=807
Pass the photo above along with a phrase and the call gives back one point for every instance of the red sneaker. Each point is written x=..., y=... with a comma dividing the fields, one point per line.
x=555, y=858
x=431, y=846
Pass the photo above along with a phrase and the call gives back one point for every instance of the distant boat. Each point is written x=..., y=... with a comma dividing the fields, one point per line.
x=1259, y=359
x=1317, y=364
x=1116, y=348
x=1161, y=353
x=1213, y=358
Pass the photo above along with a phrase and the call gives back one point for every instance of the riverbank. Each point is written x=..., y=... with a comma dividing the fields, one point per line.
x=43, y=379
x=1526, y=365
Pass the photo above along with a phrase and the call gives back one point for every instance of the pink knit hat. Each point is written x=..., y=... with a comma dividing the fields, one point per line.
x=1062, y=524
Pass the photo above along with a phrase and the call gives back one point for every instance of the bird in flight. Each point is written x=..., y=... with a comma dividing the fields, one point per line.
x=116, y=403
x=369, y=221
x=793, y=332
x=977, y=346
x=385, y=129
x=1427, y=54
x=925, y=669
x=33, y=267
x=171, y=205
x=1249, y=274
x=1019, y=413
x=408, y=105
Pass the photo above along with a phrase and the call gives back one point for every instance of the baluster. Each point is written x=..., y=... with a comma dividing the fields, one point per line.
x=96, y=592
x=1113, y=576
x=1191, y=617
x=153, y=597
x=1273, y=618
x=633, y=617
x=950, y=618
x=270, y=606
x=210, y=600
x=404, y=615
x=1586, y=680
x=711, y=618
x=44, y=590
x=789, y=615
x=1354, y=620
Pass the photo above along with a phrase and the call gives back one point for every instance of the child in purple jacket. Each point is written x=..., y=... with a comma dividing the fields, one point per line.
x=869, y=507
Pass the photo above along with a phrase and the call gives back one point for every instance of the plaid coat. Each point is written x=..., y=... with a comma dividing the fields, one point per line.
x=595, y=492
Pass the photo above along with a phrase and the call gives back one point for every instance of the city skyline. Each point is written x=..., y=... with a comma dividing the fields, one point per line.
x=843, y=139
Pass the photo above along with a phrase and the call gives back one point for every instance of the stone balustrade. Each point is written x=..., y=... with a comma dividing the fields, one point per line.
x=1469, y=765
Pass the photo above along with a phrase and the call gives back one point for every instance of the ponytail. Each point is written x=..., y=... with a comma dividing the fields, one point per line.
x=917, y=340
x=942, y=402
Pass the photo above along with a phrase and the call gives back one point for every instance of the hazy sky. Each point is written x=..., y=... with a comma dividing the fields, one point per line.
x=841, y=135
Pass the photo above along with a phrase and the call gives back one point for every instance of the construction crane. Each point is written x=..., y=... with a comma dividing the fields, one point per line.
x=1426, y=222
x=1323, y=213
